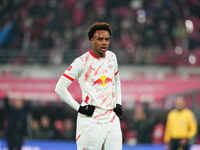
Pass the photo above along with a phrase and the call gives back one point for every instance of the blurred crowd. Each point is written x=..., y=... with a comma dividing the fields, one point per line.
x=21, y=119
x=144, y=31
x=141, y=125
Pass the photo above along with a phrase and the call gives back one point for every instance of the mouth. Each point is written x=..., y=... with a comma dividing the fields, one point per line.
x=104, y=49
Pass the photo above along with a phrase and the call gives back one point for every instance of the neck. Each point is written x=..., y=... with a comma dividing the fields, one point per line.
x=98, y=54
x=179, y=109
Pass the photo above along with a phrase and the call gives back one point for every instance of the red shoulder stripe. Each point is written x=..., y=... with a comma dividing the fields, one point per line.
x=68, y=77
x=116, y=73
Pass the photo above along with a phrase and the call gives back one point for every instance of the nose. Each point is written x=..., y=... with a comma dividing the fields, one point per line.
x=104, y=41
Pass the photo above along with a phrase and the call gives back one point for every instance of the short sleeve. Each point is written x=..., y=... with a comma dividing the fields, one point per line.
x=74, y=70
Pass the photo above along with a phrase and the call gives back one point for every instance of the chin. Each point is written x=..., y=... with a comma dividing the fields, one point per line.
x=103, y=51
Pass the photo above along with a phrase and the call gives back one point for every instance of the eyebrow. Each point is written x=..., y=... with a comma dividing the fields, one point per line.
x=103, y=37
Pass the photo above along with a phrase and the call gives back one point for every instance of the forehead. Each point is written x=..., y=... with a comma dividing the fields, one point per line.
x=101, y=33
x=179, y=101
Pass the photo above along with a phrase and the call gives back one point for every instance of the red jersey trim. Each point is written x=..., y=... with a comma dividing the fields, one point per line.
x=100, y=115
x=113, y=118
x=116, y=73
x=68, y=77
x=78, y=137
x=86, y=99
x=91, y=53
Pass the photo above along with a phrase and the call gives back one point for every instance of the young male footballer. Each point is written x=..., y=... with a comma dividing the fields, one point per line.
x=98, y=124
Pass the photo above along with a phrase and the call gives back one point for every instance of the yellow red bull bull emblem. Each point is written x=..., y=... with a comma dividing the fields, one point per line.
x=103, y=81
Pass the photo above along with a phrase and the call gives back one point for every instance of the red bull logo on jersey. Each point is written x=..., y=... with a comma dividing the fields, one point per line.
x=103, y=81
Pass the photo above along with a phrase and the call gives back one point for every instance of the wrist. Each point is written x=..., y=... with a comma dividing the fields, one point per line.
x=87, y=110
x=118, y=110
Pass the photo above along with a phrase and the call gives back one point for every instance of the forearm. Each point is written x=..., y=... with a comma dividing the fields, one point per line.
x=167, y=133
x=62, y=90
x=193, y=128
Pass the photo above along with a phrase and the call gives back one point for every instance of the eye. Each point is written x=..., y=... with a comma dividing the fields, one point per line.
x=107, y=39
x=100, y=39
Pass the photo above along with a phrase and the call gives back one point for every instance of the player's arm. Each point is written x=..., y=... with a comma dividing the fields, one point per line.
x=118, y=88
x=192, y=125
x=118, y=108
x=73, y=72
x=167, y=130
x=62, y=90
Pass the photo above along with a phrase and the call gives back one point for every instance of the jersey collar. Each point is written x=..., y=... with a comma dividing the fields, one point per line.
x=91, y=53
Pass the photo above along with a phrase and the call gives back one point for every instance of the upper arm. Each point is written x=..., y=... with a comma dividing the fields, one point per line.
x=116, y=65
x=192, y=118
x=74, y=70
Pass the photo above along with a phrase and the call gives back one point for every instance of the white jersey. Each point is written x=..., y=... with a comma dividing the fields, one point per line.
x=96, y=77
x=99, y=82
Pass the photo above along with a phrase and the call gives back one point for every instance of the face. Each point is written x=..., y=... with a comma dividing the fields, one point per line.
x=35, y=124
x=45, y=121
x=68, y=124
x=19, y=104
x=100, y=42
x=180, y=104
x=139, y=113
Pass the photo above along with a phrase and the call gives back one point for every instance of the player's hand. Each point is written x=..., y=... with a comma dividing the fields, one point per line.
x=118, y=110
x=87, y=110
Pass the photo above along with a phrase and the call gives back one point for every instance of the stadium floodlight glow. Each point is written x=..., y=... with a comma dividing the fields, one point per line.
x=141, y=16
x=178, y=50
x=189, y=26
x=192, y=59
x=136, y=4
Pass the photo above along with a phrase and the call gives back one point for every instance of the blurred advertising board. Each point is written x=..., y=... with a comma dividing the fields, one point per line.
x=53, y=145
x=137, y=90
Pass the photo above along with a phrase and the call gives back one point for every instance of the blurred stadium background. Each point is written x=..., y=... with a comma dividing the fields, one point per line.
x=158, y=47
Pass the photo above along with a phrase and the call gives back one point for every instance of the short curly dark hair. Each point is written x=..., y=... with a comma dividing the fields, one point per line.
x=98, y=26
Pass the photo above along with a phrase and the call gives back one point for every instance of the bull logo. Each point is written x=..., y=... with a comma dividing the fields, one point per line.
x=103, y=81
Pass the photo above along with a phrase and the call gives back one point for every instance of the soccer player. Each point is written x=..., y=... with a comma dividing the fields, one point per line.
x=98, y=124
x=181, y=127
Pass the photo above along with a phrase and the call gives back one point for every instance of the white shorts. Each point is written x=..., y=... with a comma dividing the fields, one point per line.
x=93, y=135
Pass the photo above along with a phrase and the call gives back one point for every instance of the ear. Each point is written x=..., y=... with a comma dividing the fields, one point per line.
x=92, y=39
